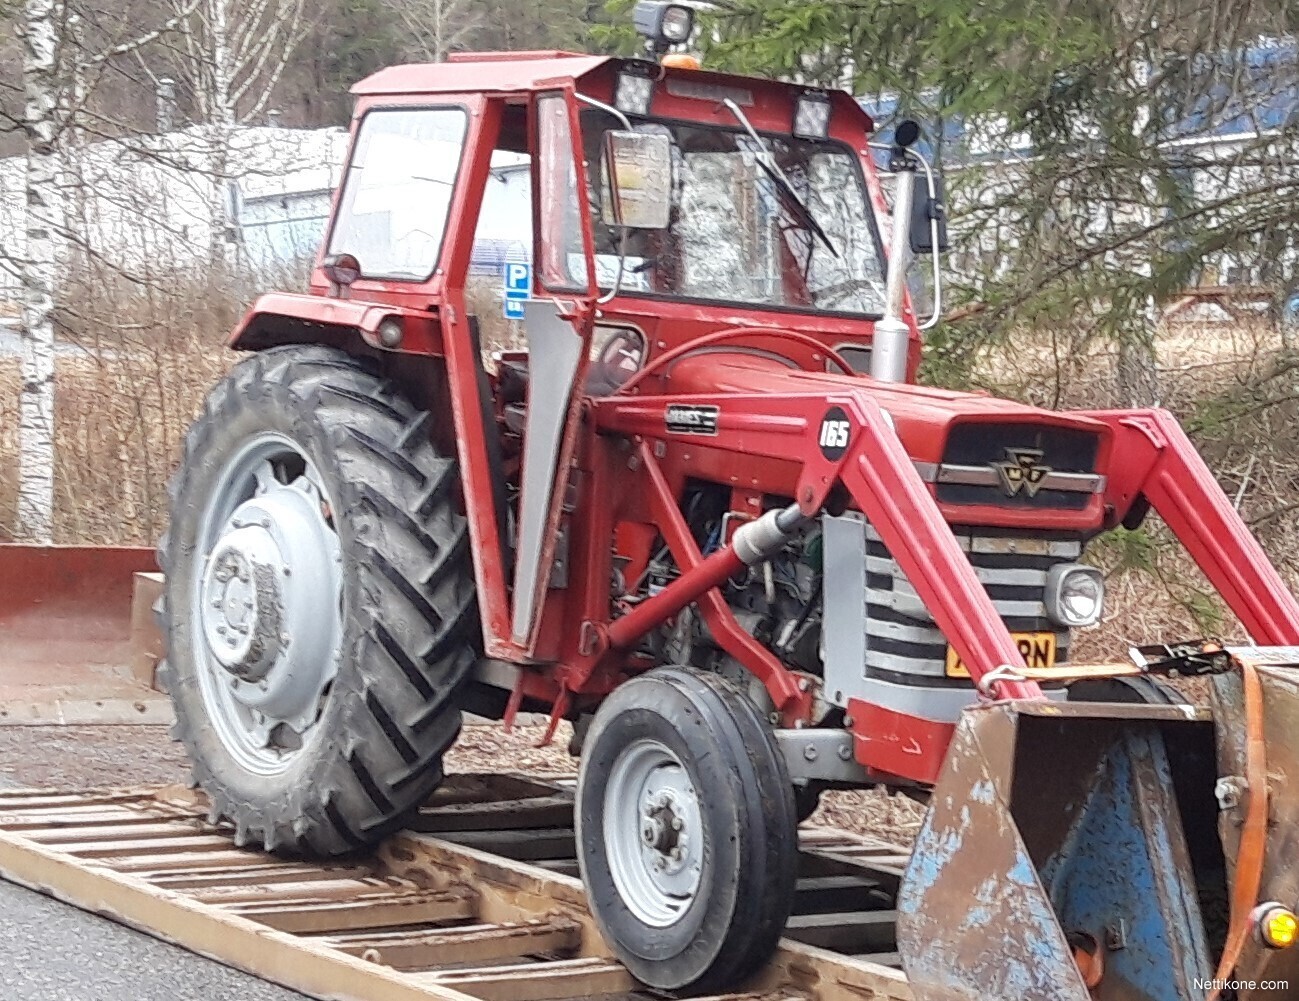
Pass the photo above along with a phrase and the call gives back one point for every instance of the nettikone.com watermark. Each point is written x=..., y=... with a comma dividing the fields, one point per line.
x=1242, y=985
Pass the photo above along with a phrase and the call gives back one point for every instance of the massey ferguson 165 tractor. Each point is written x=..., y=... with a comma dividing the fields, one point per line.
x=706, y=514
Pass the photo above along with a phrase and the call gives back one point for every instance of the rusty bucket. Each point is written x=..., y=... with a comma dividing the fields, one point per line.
x=1070, y=853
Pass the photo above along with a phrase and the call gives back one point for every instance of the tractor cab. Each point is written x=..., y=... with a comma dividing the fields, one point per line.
x=670, y=197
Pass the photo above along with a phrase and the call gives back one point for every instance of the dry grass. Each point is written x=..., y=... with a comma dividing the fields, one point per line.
x=126, y=389
x=149, y=355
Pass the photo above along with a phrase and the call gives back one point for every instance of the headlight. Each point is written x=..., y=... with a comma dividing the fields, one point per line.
x=1075, y=594
x=677, y=23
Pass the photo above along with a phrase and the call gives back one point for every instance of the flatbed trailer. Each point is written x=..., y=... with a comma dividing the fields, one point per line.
x=478, y=898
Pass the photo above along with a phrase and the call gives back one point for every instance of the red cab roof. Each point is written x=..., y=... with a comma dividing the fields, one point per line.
x=482, y=71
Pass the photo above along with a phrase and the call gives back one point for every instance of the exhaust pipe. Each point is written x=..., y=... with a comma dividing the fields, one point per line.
x=892, y=335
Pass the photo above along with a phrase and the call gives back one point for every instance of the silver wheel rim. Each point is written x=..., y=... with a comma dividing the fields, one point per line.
x=266, y=603
x=653, y=833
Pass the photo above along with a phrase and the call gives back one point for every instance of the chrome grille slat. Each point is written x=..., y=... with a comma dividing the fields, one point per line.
x=913, y=646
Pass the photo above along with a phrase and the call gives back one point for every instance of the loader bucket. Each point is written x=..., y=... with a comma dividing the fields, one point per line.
x=1070, y=853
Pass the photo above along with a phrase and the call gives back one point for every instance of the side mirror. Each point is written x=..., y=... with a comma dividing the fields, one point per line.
x=923, y=210
x=638, y=179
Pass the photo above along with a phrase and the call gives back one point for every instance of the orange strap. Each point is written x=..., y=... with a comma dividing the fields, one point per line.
x=1253, y=836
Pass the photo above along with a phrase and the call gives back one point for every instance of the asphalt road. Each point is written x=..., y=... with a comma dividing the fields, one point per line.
x=50, y=951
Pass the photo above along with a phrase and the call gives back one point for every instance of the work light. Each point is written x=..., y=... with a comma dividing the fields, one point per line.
x=663, y=24
x=812, y=115
x=1074, y=594
x=633, y=93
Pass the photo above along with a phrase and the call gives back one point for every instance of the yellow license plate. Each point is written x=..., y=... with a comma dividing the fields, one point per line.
x=1038, y=650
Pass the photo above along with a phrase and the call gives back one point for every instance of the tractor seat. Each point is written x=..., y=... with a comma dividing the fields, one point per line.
x=512, y=375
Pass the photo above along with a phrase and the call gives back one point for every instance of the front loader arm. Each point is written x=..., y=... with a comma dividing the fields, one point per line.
x=1155, y=459
x=884, y=485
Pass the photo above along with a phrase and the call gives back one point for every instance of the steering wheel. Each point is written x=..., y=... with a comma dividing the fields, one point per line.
x=619, y=359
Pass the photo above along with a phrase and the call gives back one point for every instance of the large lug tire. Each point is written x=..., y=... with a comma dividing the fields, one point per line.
x=687, y=830
x=319, y=607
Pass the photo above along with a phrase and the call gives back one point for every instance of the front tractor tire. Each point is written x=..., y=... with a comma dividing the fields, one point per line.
x=687, y=830
x=319, y=607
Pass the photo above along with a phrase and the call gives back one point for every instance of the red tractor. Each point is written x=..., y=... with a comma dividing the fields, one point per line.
x=707, y=515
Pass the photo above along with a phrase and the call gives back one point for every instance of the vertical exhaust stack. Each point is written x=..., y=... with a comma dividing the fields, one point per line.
x=892, y=335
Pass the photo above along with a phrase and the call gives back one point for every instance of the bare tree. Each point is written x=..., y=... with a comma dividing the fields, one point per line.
x=57, y=78
x=438, y=27
x=229, y=57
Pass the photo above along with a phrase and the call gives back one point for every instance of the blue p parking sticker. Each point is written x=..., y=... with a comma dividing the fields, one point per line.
x=518, y=289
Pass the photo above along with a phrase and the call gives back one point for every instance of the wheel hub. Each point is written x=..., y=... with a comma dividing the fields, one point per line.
x=243, y=607
x=268, y=603
x=653, y=833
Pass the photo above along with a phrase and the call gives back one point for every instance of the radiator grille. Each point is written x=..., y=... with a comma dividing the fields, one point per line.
x=902, y=641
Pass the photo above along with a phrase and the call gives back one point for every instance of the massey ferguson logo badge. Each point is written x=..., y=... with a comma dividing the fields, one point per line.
x=1022, y=470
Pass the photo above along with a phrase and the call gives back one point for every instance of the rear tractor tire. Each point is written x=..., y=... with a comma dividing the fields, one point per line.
x=686, y=829
x=319, y=607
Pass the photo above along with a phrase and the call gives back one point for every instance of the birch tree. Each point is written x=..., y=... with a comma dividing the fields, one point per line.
x=43, y=86
x=56, y=85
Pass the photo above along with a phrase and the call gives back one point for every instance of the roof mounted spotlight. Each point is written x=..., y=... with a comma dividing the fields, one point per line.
x=662, y=25
x=812, y=115
x=635, y=89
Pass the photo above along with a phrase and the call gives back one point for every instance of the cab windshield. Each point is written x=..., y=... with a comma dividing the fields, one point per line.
x=735, y=234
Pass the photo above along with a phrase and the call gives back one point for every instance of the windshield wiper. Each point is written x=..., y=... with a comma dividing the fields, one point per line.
x=777, y=176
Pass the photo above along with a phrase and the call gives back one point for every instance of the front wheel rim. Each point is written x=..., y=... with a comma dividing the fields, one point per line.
x=266, y=602
x=653, y=833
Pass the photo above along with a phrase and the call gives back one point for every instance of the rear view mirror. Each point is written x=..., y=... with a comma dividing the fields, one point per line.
x=923, y=210
x=638, y=179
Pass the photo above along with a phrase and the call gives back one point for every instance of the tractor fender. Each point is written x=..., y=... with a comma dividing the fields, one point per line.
x=288, y=318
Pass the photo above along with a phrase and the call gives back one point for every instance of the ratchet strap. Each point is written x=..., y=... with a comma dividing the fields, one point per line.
x=1253, y=835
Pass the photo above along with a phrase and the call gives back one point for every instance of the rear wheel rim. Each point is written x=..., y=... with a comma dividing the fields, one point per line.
x=267, y=603
x=653, y=833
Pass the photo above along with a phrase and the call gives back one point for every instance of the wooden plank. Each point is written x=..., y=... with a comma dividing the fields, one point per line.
x=349, y=915
x=195, y=843
x=139, y=828
x=424, y=950
x=303, y=891
x=568, y=978
x=522, y=846
x=858, y=931
x=822, y=894
x=536, y=812
x=148, y=865
x=65, y=816
x=248, y=875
